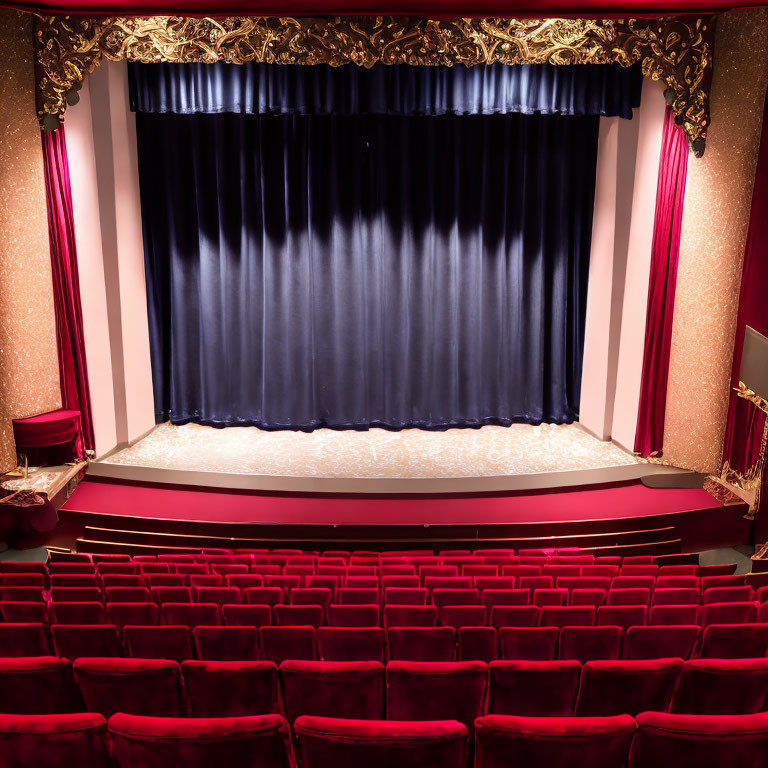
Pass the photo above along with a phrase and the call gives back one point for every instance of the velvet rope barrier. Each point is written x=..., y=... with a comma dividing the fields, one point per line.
x=665, y=250
x=73, y=371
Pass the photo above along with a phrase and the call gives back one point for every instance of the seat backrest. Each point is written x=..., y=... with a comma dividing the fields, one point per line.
x=351, y=644
x=622, y=615
x=38, y=685
x=528, y=643
x=55, y=741
x=281, y=643
x=656, y=642
x=334, y=689
x=533, y=688
x=258, y=742
x=588, y=643
x=135, y=686
x=734, y=641
x=79, y=613
x=24, y=639
x=410, y=616
x=676, y=596
x=298, y=615
x=142, y=614
x=431, y=644
x=353, y=616
x=74, y=640
x=700, y=742
x=515, y=616
x=589, y=742
x=463, y=616
x=229, y=643
x=477, y=644
x=405, y=596
x=722, y=687
x=240, y=615
x=324, y=742
x=171, y=641
x=230, y=688
x=673, y=614
x=727, y=613
x=191, y=614
x=436, y=690
x=727, y=595
x=567, y=616
x=627, y=687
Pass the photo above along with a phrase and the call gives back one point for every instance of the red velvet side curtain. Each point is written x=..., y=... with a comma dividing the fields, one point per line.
x=744, y=428
x=73, y=371
x=670, y=194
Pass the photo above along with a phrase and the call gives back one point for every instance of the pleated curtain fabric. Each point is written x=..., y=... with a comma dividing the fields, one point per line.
x=358, y=271
x=665, y=251
x=73, y=369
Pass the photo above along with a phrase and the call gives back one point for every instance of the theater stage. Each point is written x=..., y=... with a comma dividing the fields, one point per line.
x=490, y=458
x=195, y=486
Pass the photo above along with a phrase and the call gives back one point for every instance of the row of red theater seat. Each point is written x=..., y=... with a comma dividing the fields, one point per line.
x=503, y=611
x=244, y=643
x=541, y=590
x=126, y=741
x=368, y=690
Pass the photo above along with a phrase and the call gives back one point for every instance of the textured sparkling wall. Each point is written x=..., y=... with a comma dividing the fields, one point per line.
x=715, y=218
x=29, y=373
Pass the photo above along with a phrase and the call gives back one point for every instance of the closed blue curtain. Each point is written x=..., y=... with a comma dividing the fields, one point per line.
x=583, y=89
x=366, y=270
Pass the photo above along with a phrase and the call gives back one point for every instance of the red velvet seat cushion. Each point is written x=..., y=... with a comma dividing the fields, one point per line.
x=555, y=742
x=54, y=741
x=324, y=742
x=159, y=742
x=533, y=688
x=230, y=688
x=436, y=690
x=722, y=687
x=627, y=687
x=334, y=689
x=38, y=685
x=686, y=741
x=136, y=686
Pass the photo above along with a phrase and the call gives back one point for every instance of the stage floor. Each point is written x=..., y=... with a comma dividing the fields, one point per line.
x=490, y=451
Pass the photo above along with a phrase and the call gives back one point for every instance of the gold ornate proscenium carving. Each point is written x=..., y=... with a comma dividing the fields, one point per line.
x=747, y=485
x=676, y=51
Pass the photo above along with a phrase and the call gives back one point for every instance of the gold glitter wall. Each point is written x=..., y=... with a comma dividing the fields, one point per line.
x=715, y=218
x=29, y=370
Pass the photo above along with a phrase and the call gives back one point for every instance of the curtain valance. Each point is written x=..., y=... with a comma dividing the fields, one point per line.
x=255, y=88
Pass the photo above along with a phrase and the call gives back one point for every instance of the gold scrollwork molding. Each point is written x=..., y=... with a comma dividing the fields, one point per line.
x=676, y=51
